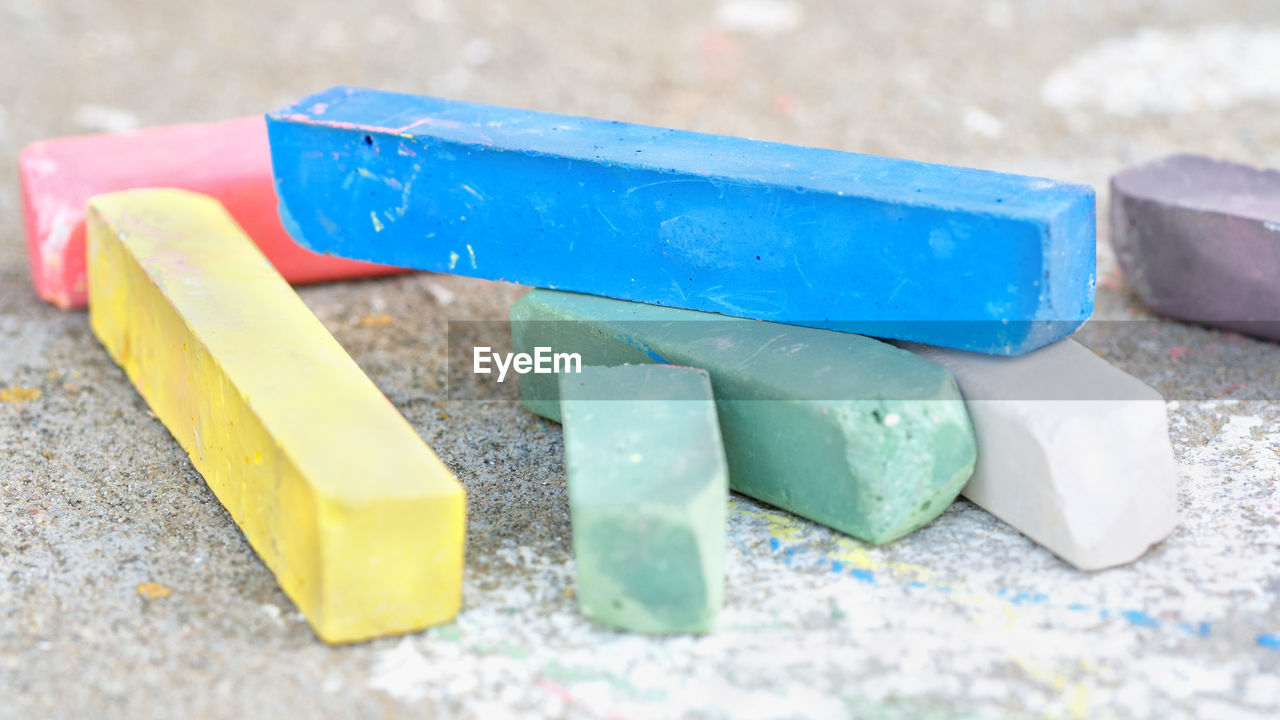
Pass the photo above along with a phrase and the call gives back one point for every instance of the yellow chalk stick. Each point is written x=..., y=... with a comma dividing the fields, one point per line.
x=361, y=523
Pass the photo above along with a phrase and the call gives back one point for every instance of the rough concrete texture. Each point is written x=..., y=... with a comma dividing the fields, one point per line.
x=964, y=618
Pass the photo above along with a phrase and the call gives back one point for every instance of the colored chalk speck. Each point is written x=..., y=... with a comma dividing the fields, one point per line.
x=376, y=320
x=17, y=394
x=1139, y=618
x=153, y=590
x=1200, y=629
x=1270, y=641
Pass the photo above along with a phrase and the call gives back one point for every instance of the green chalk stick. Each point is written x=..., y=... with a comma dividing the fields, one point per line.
x=850, y=432
x=648, y=494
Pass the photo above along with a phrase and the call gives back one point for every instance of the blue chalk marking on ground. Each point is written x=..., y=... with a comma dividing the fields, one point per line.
x=1270, y=641
x=1023, y=597
x=1199, y=629
x=948, y=256
x=1139, y=618
x=790, y=552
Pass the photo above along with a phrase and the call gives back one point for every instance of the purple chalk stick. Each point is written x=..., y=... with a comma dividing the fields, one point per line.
x=1199, y=240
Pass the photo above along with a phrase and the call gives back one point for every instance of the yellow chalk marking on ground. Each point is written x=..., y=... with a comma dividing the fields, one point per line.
x=1073, y=698
x=153, y=590
x=376, y=320
x=358, y=519
x=17, y=394
x=789, y=528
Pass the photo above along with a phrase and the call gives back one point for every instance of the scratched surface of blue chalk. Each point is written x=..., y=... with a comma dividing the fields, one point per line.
x=948, y=256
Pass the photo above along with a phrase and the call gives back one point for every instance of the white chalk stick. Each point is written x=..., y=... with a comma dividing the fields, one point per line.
x=1072, y=451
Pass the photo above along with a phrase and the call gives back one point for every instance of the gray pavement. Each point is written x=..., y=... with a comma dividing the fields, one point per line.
x=965, y=618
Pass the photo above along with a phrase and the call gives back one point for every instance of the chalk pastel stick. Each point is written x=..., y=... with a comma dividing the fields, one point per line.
x=228, y=160
x=891, y=248
x=360, y=522
x=649, y=495
x=847, y=431
x=1199, y=240
x=1072, y=451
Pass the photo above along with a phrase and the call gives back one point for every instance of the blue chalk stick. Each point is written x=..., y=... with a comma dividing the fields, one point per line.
x=947, y=256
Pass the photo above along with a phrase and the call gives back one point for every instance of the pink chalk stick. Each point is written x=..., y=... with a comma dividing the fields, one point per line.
x=229, y=160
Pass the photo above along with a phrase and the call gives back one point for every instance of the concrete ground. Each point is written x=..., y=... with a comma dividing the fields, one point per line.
x=965, y=618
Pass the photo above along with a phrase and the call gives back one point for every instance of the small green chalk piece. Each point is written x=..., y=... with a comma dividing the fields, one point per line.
x=648, y=494
x=847, y=431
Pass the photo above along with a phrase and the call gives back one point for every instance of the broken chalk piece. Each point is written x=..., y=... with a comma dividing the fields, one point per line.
x=1199, y=240
x=360, y=522
x=892, y=248
x=229, y=160
x=649, y=495
x=1072, y=452
x=847, y=431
